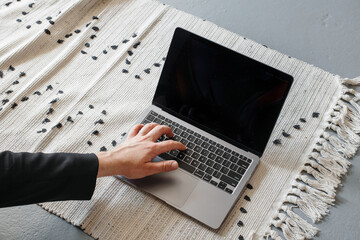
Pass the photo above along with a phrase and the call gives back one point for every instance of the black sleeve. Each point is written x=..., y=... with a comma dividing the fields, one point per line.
x=27, y=178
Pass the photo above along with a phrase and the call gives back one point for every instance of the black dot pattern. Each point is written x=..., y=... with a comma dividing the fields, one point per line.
x=249, y=186
x=240, y=224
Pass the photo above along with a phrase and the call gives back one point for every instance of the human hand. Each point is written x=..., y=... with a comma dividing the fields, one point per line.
x=133, y=157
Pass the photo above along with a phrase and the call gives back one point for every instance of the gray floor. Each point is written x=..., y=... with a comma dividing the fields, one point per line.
x=325, y=33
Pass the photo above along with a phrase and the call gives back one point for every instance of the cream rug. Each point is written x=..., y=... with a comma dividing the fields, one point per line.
x=64, y=65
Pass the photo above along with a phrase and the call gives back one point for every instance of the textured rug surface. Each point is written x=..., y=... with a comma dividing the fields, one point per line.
x=64, y=65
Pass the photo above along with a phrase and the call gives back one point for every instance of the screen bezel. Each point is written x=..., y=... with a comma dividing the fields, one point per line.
x=179, y=36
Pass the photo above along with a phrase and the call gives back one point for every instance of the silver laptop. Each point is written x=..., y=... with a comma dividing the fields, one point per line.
x=223, y=106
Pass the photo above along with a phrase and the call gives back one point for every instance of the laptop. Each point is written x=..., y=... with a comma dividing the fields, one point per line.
x=222, y=106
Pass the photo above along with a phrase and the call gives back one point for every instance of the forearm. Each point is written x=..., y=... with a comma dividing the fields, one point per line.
x=27, y=178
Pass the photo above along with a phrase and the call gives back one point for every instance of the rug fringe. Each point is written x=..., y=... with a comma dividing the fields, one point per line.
x=314, y=189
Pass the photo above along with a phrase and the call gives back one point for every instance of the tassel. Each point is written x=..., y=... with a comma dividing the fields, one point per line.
x=321, y=178
x=338, y=158
x=316, y=184
x=340, y=146
x=326, y=198
x=353, y=82
x=273, y=235
x=290, y=229
x=345, y=133
x=309, y=204
x=329, y=163
x=309, y=230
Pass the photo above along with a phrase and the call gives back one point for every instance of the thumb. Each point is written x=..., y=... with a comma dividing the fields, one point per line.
x=163, y=166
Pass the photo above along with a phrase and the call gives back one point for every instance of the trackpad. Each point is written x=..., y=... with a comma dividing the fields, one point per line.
x=173, y=187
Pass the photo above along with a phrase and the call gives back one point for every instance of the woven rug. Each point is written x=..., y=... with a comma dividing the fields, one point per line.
x=74, y=75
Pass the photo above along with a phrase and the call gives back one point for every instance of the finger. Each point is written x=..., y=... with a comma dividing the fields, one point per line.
x=147, y=128
x=135, y=130
x=160, y=130
x=168, y=145
x=163, y=166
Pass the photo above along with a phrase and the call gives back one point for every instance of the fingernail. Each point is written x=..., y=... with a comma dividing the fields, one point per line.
x=174, y=165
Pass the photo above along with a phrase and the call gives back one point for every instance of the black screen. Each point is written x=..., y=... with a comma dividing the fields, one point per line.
x=221, y=91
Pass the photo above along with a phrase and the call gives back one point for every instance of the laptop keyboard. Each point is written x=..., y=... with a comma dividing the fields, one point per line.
x=204, y=158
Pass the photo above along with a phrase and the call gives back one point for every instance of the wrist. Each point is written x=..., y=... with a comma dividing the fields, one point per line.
x=105, y=168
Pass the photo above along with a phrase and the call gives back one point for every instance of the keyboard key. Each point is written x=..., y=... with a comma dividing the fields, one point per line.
x=204, y=152
x=202, y=166
x=180, y=156
x=198, y=141
x=187, y=159
x=234, y=159
x=205, y=139
x=158, y=121
x=188, y=151
x=190, y=145
x=233, y=167
x=219, y=146
x=241, y=171
x=191, y=138
x=186, y=167
x=207, y=177
x=228, y=190
x=219, y=152
x=197, y=149
x=209, y=170
x=161, y=117
x=226, y=163
x=150, y=118
x=205, y=145
x=219, y=159
x=175, y=124
x=195, y=155
x=234, y=175
x=184, y=134
x=229, y=180
x=197, y=135
x=184, y=141
x=242, y=164
x=217, y=174
x=222, y=185
x=227, y=155
x=195, y=163
x=190, y=131
x=176, y=138
x=153, y=113
x=212, y=142
x=227, y=150
x=217, y=166
x=199, y=173
x=249, y=160
x=209, y=163
x=224, y=170
x=212, y=148
x=177, y=131
x=213, y=182
x=235, y=154
x=211, y=156
x=168, y=120
x=202, y=159
x=174, y=152
x=182, y=127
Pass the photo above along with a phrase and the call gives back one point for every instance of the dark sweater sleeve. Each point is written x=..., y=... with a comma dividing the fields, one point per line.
x=27, y=178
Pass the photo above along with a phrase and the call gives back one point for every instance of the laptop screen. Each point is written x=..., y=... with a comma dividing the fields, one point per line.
x=221, y=91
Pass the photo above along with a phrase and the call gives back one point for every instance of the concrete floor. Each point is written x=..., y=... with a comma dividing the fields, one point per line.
x=325, y=33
